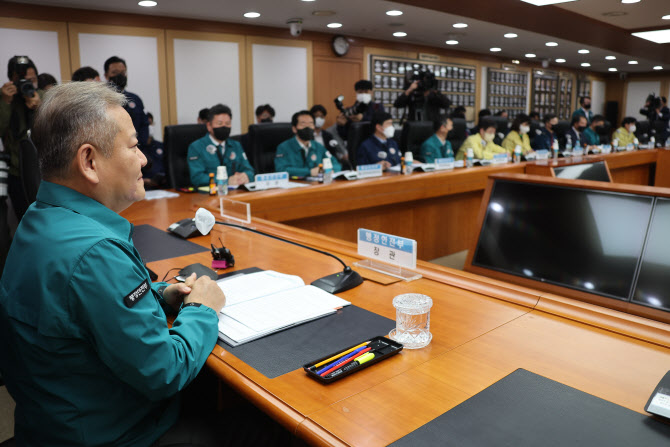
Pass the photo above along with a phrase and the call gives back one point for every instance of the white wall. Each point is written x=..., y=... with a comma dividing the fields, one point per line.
x=40, y=46
x=207, y=73
x=141, y=56
x=598, y=97
x=280, y=79
x=637, y=93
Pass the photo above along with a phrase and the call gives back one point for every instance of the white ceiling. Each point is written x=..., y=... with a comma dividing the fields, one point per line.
x=426, y=27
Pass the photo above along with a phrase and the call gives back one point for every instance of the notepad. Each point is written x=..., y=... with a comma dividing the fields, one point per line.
x=259, y=304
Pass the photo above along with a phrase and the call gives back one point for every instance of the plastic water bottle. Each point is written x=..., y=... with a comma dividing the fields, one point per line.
x=667, y=143
x=652, y=142
x=568, y=143
x=327, y=171
x=221, y=180
x=636, y=143
x=469, y=157
x=409, y=160
x=554, y=149
x=615, y=145
x=517, y=154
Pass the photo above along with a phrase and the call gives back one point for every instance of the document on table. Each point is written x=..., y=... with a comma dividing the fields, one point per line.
x=262, y=303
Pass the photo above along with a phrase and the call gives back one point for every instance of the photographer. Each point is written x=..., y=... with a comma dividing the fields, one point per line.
x=20, y=98
x=364, y=107
x=422, y=97
x=652, y=108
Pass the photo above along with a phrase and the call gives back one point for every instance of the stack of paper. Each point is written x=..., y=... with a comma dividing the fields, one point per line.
x=259, y=304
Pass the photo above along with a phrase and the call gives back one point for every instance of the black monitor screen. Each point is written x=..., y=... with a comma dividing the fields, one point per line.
x=587, y=171
x=653, y=283
x=581, y=239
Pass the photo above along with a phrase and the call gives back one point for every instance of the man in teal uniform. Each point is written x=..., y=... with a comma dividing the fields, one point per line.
x=301, y=156
x=437, y=146
x=85, y=347
x=591, y=136
x=584, y=109
x=216, y=149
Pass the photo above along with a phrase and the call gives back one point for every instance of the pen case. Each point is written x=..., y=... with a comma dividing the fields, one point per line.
x=381, y=347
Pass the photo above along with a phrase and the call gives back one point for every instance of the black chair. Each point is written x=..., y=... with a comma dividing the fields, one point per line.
x=30, y=169
x=458, y=134
x=414, y=133
x=502, y=128
x=560, y=130
x=643, y=131
x=177, y=139
x=358, y=132
x=659, y=129
x=535, y=125
x=605, y=133
x=264, y=139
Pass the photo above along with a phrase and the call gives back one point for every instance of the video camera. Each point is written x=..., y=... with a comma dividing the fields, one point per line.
x=350, y=111
x=25, y=88
x=653, y=101
x=426, y=80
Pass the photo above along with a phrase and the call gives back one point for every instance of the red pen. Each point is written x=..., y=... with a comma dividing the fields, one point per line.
x=325, y=373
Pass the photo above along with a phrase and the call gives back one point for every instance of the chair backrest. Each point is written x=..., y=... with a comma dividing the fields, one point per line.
x=458, y=134
x=535, y=125
x=643, y=131
x=561, y=129
x=264, y=139
x=177, y=139
x=357, y=133
x=605, y=132
x=414, y=133
x=30, y=169
x=502, y=127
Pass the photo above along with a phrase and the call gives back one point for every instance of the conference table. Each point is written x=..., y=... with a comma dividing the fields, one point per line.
x=483, y=330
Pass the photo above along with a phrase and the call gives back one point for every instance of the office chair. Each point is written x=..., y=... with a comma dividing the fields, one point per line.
x=535, y=126
x=414, y=133
x=643, y=131
x=605, y=133
x=502, y=128
x=357, y=133
x=659, y=129
x=264, y=139
x=30, y=169
x=560, y=130
x=176, y=142
x=458, y=134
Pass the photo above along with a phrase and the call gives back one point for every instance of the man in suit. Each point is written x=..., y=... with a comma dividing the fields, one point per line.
x=575, y=135
x=380, y=147
x=545, y=137
x=584, y=109
x=325, y=138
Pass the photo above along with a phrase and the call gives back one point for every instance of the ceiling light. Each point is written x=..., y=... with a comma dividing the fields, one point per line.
x=530, y=55
x=610, y=58
x=147, y=3
x=400, y=34
x=251, y=15
x=308, y=0
x=630, y=1
x=511, y=35
x=460, y=25
x=632, y=62
x=551, y=44
x=496, y=49
x=452, y=42
x=658, y=67
x=660, y=36
x=394, y=12
x=583, y=51
x=612, y=69
x=546, y=2
x=334, y=25
x=515, y=61
x=585, y=64
x=560, y=61
x=666, y=17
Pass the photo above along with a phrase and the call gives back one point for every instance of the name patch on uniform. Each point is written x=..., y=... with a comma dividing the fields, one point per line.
x=192, y=158
x=133, y=297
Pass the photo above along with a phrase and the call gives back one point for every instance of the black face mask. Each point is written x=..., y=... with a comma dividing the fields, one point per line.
x=119, y=81
x=600, y=129
x=587, y=106
x=266, y=120
x=221, y=133
x=306, y=134
x=581, y=128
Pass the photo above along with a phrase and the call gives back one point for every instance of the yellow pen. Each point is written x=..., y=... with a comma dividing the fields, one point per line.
x=340, y=355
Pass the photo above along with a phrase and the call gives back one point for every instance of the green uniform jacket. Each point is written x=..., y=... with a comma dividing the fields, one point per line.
x=11, y=138
x=625, y=138
x=290, y=158
x=85, y=348
x=513, y=139
x=432, y=149
x=481, y=152
x=203, y=160
x=591, y=137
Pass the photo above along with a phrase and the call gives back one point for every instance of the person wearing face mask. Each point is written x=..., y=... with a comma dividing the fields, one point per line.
x=591, y=133
x=545, y=136
x=20, y=99
x=482, y=143
x=518, y=135
x=422, y=98
x=575, y=133
x=584, y=109
x=153, y=172
x=380, y=147
x=437, y=146
x=301, y=156
x=216, y=149
x=625, y=134
x=324, y=137
x=116, y=73
x=265, y=113
x=364, y=100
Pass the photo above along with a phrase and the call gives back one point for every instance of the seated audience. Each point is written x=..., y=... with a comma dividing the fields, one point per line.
x=591, y=135
x=202, y=116
x=437, y=146
x=625, y=134
x=85, y=74
x=324, y=137
x=482, y=142
x=574, y=135
x=45, y=81
x=518, y=135
x=154, y=171
x=534, y=116
x=265, y=113
x=545, y=137
x=380, y=147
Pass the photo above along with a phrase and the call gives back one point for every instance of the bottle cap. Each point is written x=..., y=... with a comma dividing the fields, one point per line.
x=409, y=156
x=221, y=172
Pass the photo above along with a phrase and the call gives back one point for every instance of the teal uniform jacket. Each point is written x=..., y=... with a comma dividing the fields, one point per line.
x=591, y=137
x=432, y=149
x=85, y=348
x=586, y=114
x=203, y=160
x=290, y=158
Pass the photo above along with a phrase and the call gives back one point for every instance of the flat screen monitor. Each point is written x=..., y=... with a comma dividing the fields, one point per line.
x=582, y=239
x=586, y=171
x=653, y=282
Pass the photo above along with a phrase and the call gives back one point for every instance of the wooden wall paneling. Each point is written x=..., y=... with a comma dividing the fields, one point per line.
x=333, y=77
x=615, y=90
x=43, y=25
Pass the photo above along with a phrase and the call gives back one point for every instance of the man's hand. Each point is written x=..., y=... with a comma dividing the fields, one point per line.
x=239, y=178
x=8, y=92
x=314, y=172
x=413, y=86
x=206, y=292
x=174, y=293
x=385, y=165
x=341, y=120
x=34, y=102
x=356, y=118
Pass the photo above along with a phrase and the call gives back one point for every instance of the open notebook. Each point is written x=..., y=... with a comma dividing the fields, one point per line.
x=259, y=304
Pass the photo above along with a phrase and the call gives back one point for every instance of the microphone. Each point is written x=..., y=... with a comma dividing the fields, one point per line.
x=335, y=283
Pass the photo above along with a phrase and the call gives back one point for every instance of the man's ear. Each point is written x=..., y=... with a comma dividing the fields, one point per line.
x=86, y=163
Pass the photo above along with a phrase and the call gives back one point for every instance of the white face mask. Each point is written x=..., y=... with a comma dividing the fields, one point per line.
x=389, y=131
x=151, y=130
x=319, y=122
x=524, y=129
x=633, y=128
x=489, y=137
x=364, y=97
